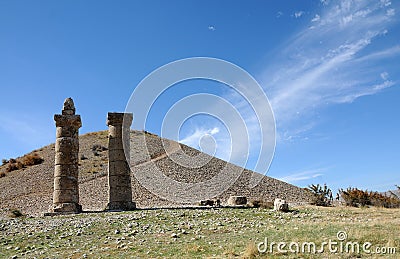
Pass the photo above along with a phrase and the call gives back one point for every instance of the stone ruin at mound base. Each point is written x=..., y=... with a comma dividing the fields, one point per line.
x=66, y=190
x=66, y=187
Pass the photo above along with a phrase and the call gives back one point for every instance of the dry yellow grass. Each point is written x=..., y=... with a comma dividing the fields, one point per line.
x=251, y=251
x=214, y=233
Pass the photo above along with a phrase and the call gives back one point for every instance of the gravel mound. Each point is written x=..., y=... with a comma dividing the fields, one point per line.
x=30, y=189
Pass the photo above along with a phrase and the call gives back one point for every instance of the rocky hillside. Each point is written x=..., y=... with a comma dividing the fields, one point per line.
x=30, y=189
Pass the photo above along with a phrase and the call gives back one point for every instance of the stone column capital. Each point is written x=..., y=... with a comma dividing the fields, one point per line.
x=119, y=118
x=68, y=120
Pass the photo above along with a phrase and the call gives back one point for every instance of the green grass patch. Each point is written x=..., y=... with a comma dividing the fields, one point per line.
x=212, y=233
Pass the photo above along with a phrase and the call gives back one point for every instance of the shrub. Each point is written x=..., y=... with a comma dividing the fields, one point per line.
x=2, y=174
x=98, y=148
x=15, y=213
x=149, y=133
x=25, y=161
x=251, y=251
x=4, y=161
x=11, y=166
x=31, y=159
x=321, y=196
x=396, y=195
x=357, y=198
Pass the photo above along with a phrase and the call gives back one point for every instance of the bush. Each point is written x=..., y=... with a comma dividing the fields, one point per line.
x=25, y=161
x=358, y=198
x=251, y=251
x=2, y=174
x=396, y=195
x=321, y=196
x=31, y=159
x=11, y=166
x=4, y=161
x=98, y=148
x=15, y=213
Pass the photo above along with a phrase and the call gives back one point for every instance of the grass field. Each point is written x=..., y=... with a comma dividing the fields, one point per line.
x=207, y=233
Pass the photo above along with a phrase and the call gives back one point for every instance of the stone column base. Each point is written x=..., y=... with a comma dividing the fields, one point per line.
x=121, y=205
x=65, y=208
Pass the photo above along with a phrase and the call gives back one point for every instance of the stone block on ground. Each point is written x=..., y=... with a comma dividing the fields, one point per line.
x=237, y=200
x=281, y=205
x=215, y=203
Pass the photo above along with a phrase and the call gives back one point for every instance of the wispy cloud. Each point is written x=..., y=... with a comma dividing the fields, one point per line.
x=298, y=14
x=386, y=2
x=390, y=12
x=316, y=18
x=304, y=175
x=348, y=98
x=241, y=139
x=379, y=55
x=338, y=58
x=194, y=138
x=384, y=75
x=209, y=139
x=325, y=2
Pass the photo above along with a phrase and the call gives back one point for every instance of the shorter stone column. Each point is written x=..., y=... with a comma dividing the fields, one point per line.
x=119, y=173
x=66, y=188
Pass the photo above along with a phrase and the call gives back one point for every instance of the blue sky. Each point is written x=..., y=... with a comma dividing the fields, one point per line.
x=329, y=69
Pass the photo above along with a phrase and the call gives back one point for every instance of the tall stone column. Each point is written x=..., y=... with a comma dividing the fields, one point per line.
x=119, y=177
x=66, y=189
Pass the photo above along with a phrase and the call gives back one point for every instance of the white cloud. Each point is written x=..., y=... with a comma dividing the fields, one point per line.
x=296, y=134
x=214, y=131
x=209, y=140
x=211, y=28
x=390, y=12
x=367, y=91
x=385, y=75
x=298, y=14
x=306, y=75
x=316, y=18
x=247, y=136
x=378, y=55
x=279, y=14
x=348, y=65
x=301, y=176
x=325, y=2
x=386, y=2
x=194, y=138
